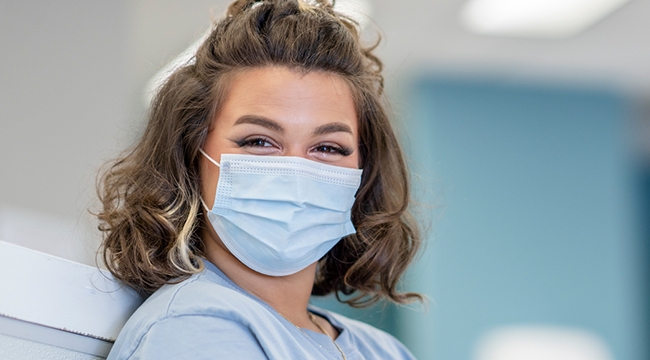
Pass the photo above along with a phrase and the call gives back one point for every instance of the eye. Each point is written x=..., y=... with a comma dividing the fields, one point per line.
x=331, y=149
x=255, y=142
x=259, y=145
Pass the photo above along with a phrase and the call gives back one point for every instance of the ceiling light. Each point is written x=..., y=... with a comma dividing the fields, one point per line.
x=535, y=18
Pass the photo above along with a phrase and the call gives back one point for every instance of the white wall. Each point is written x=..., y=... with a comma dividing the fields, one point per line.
x=71, y=80
x=62, y=107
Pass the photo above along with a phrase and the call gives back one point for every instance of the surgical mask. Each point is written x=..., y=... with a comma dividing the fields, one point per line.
x=279, y=214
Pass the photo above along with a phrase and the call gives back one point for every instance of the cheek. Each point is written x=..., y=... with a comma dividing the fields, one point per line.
x=357, y=155
x=353, y=161
x=209, y=178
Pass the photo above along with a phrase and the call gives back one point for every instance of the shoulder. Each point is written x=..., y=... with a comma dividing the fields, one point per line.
x=203, y=294
x=371, y=342
x=201, y=304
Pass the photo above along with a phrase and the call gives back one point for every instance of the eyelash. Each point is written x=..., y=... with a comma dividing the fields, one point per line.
x=254, y=142
x=335, y=149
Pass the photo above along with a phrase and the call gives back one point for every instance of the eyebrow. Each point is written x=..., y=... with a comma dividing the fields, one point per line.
x=261, y=121
x=275, y=126
x=332, y=128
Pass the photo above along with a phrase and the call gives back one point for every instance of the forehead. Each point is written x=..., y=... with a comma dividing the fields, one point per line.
x=289, y=96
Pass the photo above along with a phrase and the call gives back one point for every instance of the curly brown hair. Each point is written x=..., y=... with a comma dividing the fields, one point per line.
x=151, y=216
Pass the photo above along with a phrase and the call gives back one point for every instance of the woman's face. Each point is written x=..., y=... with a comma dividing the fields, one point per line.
x=276, y=111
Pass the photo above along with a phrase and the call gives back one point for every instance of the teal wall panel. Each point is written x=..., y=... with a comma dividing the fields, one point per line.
x=532, y=217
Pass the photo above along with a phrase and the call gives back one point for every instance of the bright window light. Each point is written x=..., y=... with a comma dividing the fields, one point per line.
x=359, y=10
x=161, y=76
x=535, y=18
x=530, y=342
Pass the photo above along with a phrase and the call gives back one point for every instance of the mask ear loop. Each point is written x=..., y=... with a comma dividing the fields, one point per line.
x=215, y=163
x=204, y=205
x=209, y=158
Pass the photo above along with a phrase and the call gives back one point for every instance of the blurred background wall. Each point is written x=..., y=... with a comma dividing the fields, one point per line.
x=535, y=203
x=529, y=157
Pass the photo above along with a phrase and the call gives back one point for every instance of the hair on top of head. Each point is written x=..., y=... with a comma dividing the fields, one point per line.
x=238, y=6
x=151, y=217
x=293, y=33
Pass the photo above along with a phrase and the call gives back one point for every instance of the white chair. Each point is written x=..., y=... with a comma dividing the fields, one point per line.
x=52, y=308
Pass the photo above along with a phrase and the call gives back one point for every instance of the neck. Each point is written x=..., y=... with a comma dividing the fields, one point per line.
x=288, y=295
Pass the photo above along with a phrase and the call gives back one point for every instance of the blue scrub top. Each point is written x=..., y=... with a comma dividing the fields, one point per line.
x=208, y=316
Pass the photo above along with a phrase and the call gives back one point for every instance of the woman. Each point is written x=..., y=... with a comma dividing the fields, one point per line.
x=268, y=172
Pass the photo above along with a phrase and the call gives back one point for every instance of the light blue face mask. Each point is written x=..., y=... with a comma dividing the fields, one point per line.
x=279, y=214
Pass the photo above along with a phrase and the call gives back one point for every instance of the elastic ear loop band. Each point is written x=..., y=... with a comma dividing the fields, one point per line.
x=215, y=163
x=209, y=158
